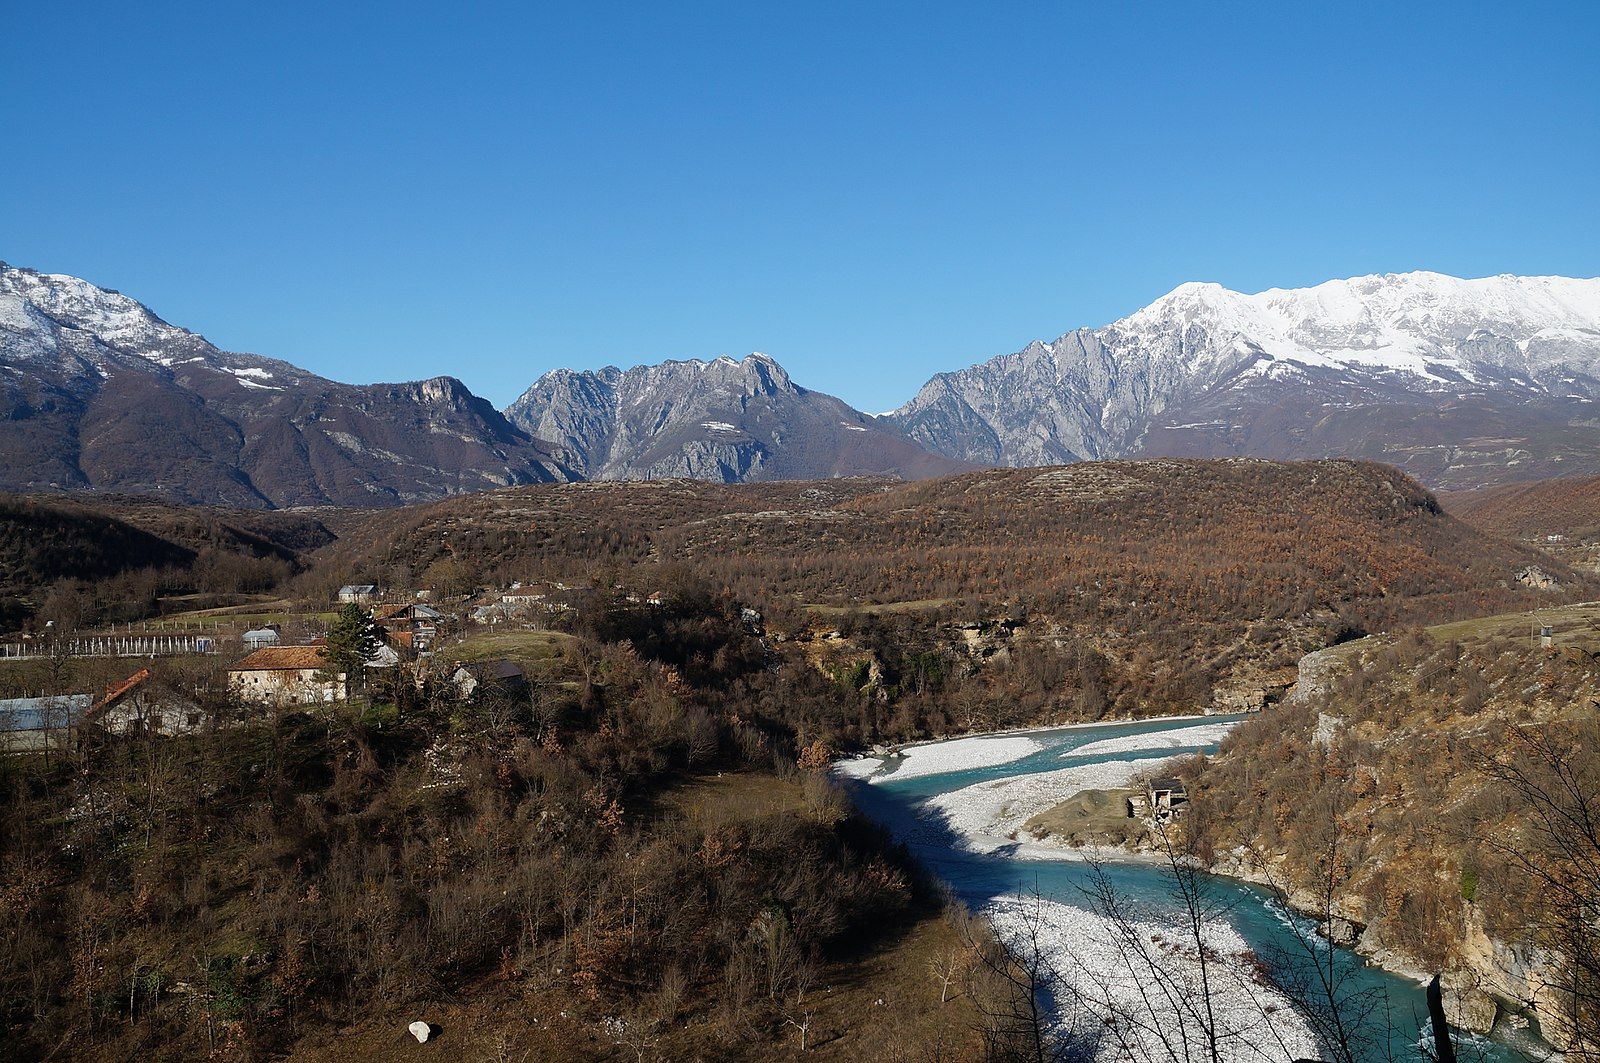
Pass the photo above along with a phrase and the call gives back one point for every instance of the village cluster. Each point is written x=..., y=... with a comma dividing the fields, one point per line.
x=412, y=638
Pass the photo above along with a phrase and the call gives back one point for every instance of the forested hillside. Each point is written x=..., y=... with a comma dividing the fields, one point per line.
x=1163, y=579
x=640, y=857
x=1567, y=507
x=107, y=558
x=640, y=849
x=1440, y=787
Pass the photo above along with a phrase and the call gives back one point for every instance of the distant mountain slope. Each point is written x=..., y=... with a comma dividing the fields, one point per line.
x=97, y=392
x=723, y=420
x=93, y=540
x=1459, y=382
x=1568, y=507
x=44, y=538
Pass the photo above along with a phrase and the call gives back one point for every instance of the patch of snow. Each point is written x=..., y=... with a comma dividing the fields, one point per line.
x=852, y=427
x=719, y=426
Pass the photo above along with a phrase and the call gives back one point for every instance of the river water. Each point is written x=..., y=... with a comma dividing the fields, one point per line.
x=958, y=805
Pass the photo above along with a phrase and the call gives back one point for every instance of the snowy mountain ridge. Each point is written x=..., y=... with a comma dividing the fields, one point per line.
x=1382, y=342
x=98, y=393
x=1412, y=317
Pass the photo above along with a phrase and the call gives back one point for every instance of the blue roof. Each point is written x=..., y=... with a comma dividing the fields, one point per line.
x=38, y=714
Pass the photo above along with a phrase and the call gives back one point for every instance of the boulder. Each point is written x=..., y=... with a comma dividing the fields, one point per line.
x=1537, y=578
x=1340, y=931
x=421, y=1031
x=1466, y=1005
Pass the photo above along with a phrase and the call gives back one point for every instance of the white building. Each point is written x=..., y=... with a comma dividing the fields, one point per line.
x=286, y=675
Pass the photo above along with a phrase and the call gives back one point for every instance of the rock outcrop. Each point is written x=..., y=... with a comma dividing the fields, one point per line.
x=724, y=420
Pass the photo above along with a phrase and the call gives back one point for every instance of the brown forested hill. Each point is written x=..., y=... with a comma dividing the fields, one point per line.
x=1125, y=543
x=110, y=543
x=1175, y=575
x=1569, y=506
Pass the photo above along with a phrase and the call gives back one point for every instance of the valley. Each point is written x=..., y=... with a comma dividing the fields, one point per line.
x=643, y=686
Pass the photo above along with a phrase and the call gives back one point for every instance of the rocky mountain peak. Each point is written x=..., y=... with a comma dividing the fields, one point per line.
x=725, y=419
x=100, y=393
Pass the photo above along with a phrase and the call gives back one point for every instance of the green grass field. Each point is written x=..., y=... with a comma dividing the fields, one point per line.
x=527, y=648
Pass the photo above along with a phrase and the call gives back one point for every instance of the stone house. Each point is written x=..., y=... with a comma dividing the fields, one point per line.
x=499, y=678
x=286, y=675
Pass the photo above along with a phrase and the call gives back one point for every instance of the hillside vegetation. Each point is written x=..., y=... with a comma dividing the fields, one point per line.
x=642, y=850
x=107, y=558
x=1148, y=584
x=1441, y=788
x=1569, y=507
x=640, y=858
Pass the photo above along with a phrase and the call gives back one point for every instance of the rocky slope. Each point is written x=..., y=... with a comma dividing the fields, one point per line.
x=99, y=393
x=1397, y=796
x=1459, y=382
x=724, y=420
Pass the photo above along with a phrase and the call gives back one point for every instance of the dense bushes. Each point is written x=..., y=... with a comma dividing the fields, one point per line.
x=223, y=893
x=1393, y=787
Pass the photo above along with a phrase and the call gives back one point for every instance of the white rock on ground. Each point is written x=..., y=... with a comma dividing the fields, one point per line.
x=960, y=754
x=1104, y=971
x=421, y=1031
x=1200, y=735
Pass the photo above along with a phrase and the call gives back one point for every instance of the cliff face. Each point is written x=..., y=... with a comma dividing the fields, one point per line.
x=1405, y=774
x=726, y=421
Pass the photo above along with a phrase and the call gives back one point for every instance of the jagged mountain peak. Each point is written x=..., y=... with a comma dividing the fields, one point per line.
x=755, y=372
x=724, y=419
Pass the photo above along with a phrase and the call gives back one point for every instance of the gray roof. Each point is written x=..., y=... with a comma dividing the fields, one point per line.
x=1169, y=783
x=358, y=588
x=37, y=714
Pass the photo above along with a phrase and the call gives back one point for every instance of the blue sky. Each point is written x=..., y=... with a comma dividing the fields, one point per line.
x=869, y=192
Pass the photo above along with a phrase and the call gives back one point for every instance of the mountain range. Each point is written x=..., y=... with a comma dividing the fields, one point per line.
x=1459, y=382
x=721, y=420
x=1462, y=383
x=97, y=392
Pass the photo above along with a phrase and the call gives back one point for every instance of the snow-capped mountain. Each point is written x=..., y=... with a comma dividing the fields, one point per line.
x=97, y=392
x=726, y=420
x=1460, y=382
